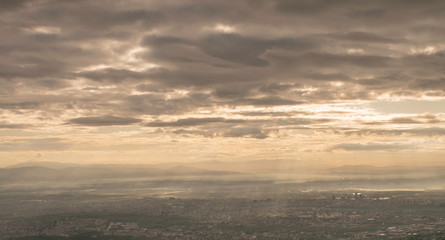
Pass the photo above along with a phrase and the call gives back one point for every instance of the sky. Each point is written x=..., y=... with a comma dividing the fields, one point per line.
x=318, y=82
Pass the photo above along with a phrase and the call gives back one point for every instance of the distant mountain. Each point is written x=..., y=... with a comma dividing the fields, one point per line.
x=46, y=164
x=50, y=171
x=26, y=173
x=251, y=166
x=388, y=170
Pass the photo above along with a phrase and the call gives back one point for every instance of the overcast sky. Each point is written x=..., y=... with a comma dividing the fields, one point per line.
x=315, y=81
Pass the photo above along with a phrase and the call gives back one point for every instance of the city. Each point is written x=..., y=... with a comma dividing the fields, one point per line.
x=235, y=212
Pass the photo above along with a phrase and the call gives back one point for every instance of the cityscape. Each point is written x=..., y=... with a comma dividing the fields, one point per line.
x=217, y=206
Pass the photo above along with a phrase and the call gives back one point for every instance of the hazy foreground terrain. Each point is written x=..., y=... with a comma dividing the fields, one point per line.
x=220, y=201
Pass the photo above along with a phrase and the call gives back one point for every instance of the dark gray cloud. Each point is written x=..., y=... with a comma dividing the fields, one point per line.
x=326, y=60
x=256, y=131
x=366, y=37
x=192, y=133
x=19, y=105
x=326, y=76
x=268, y=101
x=104, y=121
x=428, y=84
x=244, y=128
x=112, y=75
x=403, y=120
x=268, y=114
x=13, y=126
x=230, y=47
x=366, y=13
x=419, y=119
x=303, y=7
x=157, y=41
x=246, y=50
x=8, y=5
x=93, y=19
x=156, y=104
x=252, y=132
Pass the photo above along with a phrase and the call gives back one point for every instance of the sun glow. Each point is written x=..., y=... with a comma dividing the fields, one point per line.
x=45, y=30
x=224, y=28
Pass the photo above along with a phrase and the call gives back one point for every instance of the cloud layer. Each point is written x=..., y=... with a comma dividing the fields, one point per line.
x=233, y=69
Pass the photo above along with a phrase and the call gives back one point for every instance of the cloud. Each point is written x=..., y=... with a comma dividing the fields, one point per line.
x=324, y=60
x=418, y=119
x=155, y=104
x=13, y=126
x=8, y=5
x=247, y=50
x=252, y=132
x=371, y=147
x=189, y=122
x=244, y=67
x=429, y=84
x=259, y=128
x=267, y=101
x=230, y=47
x=19, y=105
x=428, y=132
x=404, y=120
x=111, y=75
x=365, y=37
x=366, y=13
x=302, y=7
x=280, y=114
x=248, y=69
x=35, y=144
x=156, y=41
x=103, y=121
x=256, y=131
